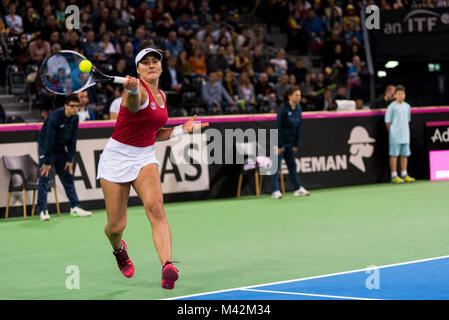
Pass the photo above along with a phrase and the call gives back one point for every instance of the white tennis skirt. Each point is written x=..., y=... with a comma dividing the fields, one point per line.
x=122, y=163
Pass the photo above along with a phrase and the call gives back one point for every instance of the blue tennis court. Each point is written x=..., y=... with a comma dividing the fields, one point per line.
x=415, y=280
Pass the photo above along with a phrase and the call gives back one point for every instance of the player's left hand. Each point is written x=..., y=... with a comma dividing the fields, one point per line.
x=191, y=124
x=69, y=167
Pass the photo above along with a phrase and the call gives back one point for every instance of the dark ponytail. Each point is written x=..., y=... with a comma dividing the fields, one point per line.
x=149, y=44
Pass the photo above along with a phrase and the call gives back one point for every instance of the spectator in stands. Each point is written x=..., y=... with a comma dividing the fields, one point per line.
x=354, y=82
x=30, y=21
x=74, y=43
x=328, y=101
x=182, y=64
x=128, y=56
x=230, y=84
x=49, y=27
x=173, y=44
x=57, y=147
x=296, y=35
x=259, y=62
x=341, y=93
x=218, y=62
x=114, y=107
x=241, y=39
x=19, y=51
x=39, y=49
x=204, y=13
x=139, y=35
x=208, y=46
x=83, y=113
x=280, y=62
x=148, y=20
x=172, y=78
x=13, y=21
x=263, y=87
x=385, y=99
x=307, y=91
x=265, y=94
x=299, y=70
x=350, y=17
x=215, y=96
x=272, y=75
x=198, y=62
x=246, y=91
x=333, y=11
x=184, y=25
x=85, y=21
x=281, y=87
x=54, y=38
x=120, y=68
x=243, y=62
x=91, y=48
x=230, y=56
x=356, y=50
x=106, y=46
x=315, y=29
x=222, y=31
x=205, y=30
x=166, y=26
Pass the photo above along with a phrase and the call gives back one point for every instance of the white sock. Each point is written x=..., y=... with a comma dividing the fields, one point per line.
x=393, y=175
x=403, y=173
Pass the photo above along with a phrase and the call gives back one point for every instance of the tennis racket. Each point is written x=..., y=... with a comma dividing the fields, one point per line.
x=60, y=74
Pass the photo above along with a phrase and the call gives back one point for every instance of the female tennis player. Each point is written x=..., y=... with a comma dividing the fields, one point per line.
x=129, y=160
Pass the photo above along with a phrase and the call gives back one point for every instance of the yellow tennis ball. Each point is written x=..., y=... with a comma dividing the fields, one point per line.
x=85, y=66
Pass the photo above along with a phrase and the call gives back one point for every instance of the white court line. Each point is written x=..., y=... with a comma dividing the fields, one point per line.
x=309, y=294
x=308, y=278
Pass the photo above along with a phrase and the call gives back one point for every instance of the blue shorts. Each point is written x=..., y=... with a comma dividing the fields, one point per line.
x=402, y=149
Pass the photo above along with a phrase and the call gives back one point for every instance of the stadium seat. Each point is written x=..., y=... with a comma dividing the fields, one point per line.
x=24, y=176
x=15, y=79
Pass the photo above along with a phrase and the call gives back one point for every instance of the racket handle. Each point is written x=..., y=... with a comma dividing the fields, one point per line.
x=120, y=80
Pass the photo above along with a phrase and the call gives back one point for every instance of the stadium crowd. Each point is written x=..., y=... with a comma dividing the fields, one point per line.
x=216, y=60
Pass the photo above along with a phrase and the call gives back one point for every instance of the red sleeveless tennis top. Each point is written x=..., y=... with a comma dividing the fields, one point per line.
x=139, y=129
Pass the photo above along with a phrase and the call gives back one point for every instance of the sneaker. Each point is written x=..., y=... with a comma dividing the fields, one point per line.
x=407, y=178
x=44, y=215
x=124, y=263
x=78, y=212
x=301, y=192
x=276, y=195
x=397, y=179
x=169, y=275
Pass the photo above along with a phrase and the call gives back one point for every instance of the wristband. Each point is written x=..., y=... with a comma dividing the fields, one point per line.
x=177, y=131
x=134, y=92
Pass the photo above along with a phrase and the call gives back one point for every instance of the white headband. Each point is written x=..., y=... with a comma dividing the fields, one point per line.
x=144, y=52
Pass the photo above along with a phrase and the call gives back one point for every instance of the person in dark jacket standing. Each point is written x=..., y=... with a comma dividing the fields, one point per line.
x=288, y=124
x=57, y=147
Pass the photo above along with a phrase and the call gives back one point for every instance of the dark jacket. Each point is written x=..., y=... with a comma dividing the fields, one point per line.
x=288, y=123
x=166, y=79
x=58, y=136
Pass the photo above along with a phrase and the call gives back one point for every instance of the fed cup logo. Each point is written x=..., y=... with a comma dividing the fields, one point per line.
x=153, y=105
x=361, y=147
